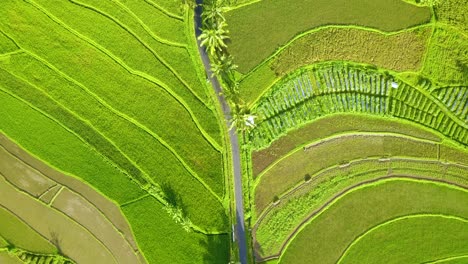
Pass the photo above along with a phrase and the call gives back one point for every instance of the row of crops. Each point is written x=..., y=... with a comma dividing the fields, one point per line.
x=455, y=99
x=335, y=89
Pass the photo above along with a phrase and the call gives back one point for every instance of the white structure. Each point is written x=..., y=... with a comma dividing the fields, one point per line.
x=394, y=85
x=250, y=121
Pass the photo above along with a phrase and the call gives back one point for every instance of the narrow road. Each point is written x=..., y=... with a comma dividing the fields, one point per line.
x=240, y=227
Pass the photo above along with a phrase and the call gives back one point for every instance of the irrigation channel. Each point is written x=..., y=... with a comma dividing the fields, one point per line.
x=240, y=226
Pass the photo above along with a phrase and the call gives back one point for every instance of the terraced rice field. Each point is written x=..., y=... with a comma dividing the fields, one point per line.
x=338, y=133
x=258, y=29
x=99, y=90
x=344, y=107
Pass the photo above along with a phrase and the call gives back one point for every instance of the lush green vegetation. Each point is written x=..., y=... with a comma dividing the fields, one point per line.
x=447, y=238
x=114, y=94
x=358, y=211
x=157, y=228
x=49, y=141
x=257, y=30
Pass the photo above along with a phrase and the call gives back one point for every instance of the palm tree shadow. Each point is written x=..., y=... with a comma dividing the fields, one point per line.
x=216, y=248
x=173, y=198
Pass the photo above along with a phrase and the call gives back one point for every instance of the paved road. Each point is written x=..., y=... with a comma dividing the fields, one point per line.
x=240, y=227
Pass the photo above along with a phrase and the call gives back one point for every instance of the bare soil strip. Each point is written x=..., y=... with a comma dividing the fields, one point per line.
x=77, y=208
x=69, y=236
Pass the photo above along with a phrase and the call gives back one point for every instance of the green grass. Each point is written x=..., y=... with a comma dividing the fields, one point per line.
x=19, y=234
x=330, y=125
x=163, y=241
x=6, y=45
x=52, y=143
x=328, y=234
x=257, y=30
x=141, y=119
x=414, y=239
x=447, y=58
x=88, y=52
x=453, y=13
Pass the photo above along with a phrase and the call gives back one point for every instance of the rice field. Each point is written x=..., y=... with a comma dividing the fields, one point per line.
x=349, y=145
x=258, y=29
x=365, y=210
x=74, y=96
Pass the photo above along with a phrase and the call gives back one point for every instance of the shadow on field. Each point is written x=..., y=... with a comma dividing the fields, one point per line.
x=216, y=248
x=173, y=198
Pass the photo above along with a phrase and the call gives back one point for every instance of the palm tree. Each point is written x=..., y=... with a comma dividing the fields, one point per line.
x=224, y=67
x=212, y=14
x=213, y=39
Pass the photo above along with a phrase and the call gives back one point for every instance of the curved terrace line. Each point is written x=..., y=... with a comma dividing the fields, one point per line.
x=315, y=30
x=142, y=75
x=367, y=232
x=137, y=124
x=72, y=191
x=289, y=192
x=446, y=259
x=121, y=115
x=49, y=206
x=350, y=134
x=362, y=185
x=71, y=132
x=136, y=37
x=145, y=27
x=147, y=177
x=167, y=13
x=8, y=54
x=441, y=106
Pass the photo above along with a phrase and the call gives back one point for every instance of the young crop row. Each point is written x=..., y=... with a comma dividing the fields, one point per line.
x=335, y=89
x=455, y=99
x=411, y=104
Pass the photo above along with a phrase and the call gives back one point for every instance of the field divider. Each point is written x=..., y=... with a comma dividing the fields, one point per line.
x=440, y=104
x=314, y=30
x=370, y=230
x=73, y=133
x=135, y=36
x=68, y=188
x=142, y=75
x=145, y=27
x=24, y=221
x=446, y=259
x=361, y=185
x=49, y=206
x=145, y=129
x=8, y=54
x=167, y=13
x=337, y=136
